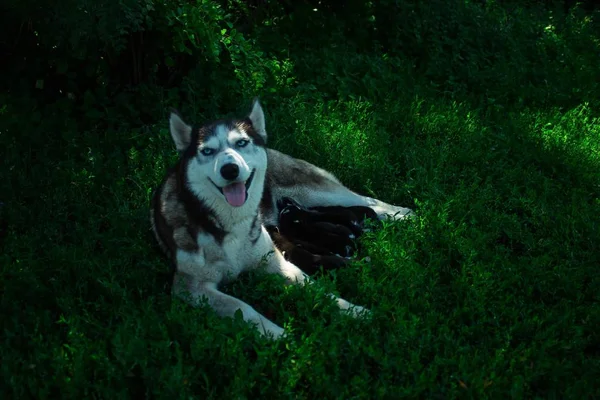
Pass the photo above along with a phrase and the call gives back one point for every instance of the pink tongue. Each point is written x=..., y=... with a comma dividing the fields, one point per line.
x=235, y=194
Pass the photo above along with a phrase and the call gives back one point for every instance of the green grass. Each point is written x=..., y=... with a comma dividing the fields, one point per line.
x=492, y=291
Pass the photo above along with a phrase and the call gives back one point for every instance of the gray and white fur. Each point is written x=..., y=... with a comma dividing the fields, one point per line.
x=208, y=214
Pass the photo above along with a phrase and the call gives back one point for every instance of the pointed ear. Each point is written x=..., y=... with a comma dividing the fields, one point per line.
x=257, y=117
x=180, y=131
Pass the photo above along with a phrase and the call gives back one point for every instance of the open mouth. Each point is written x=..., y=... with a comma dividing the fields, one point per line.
x=236, y=193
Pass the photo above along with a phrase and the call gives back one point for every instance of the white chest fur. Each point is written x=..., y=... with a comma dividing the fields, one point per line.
x=218, y=262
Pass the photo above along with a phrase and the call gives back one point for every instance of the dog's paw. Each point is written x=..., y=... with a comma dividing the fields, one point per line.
x=352, y=309
x=274, y=332
x=403, y=213
x=358, y=311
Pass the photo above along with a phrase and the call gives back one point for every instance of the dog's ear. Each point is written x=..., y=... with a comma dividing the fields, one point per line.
x=257, y=117
x=180, y=131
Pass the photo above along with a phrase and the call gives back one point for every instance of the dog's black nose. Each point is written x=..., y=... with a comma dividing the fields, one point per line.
x=230, y=171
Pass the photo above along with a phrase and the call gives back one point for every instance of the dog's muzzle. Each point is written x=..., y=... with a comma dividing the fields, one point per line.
x=235, y=193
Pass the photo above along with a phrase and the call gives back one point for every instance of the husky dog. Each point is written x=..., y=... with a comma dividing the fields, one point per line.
x=210, y=211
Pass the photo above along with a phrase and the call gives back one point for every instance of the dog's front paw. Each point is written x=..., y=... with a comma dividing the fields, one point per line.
x=352, y=309
x=358, y=311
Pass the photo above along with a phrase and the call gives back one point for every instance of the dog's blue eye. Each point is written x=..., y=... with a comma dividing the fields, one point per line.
x=242, y=143
x=207, y=151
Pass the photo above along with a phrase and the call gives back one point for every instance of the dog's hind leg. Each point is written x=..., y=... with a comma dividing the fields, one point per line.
x=383, y=209
x=224, y=305
x=339, y=195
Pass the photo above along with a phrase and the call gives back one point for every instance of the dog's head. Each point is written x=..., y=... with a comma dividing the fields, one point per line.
x=226, y=160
